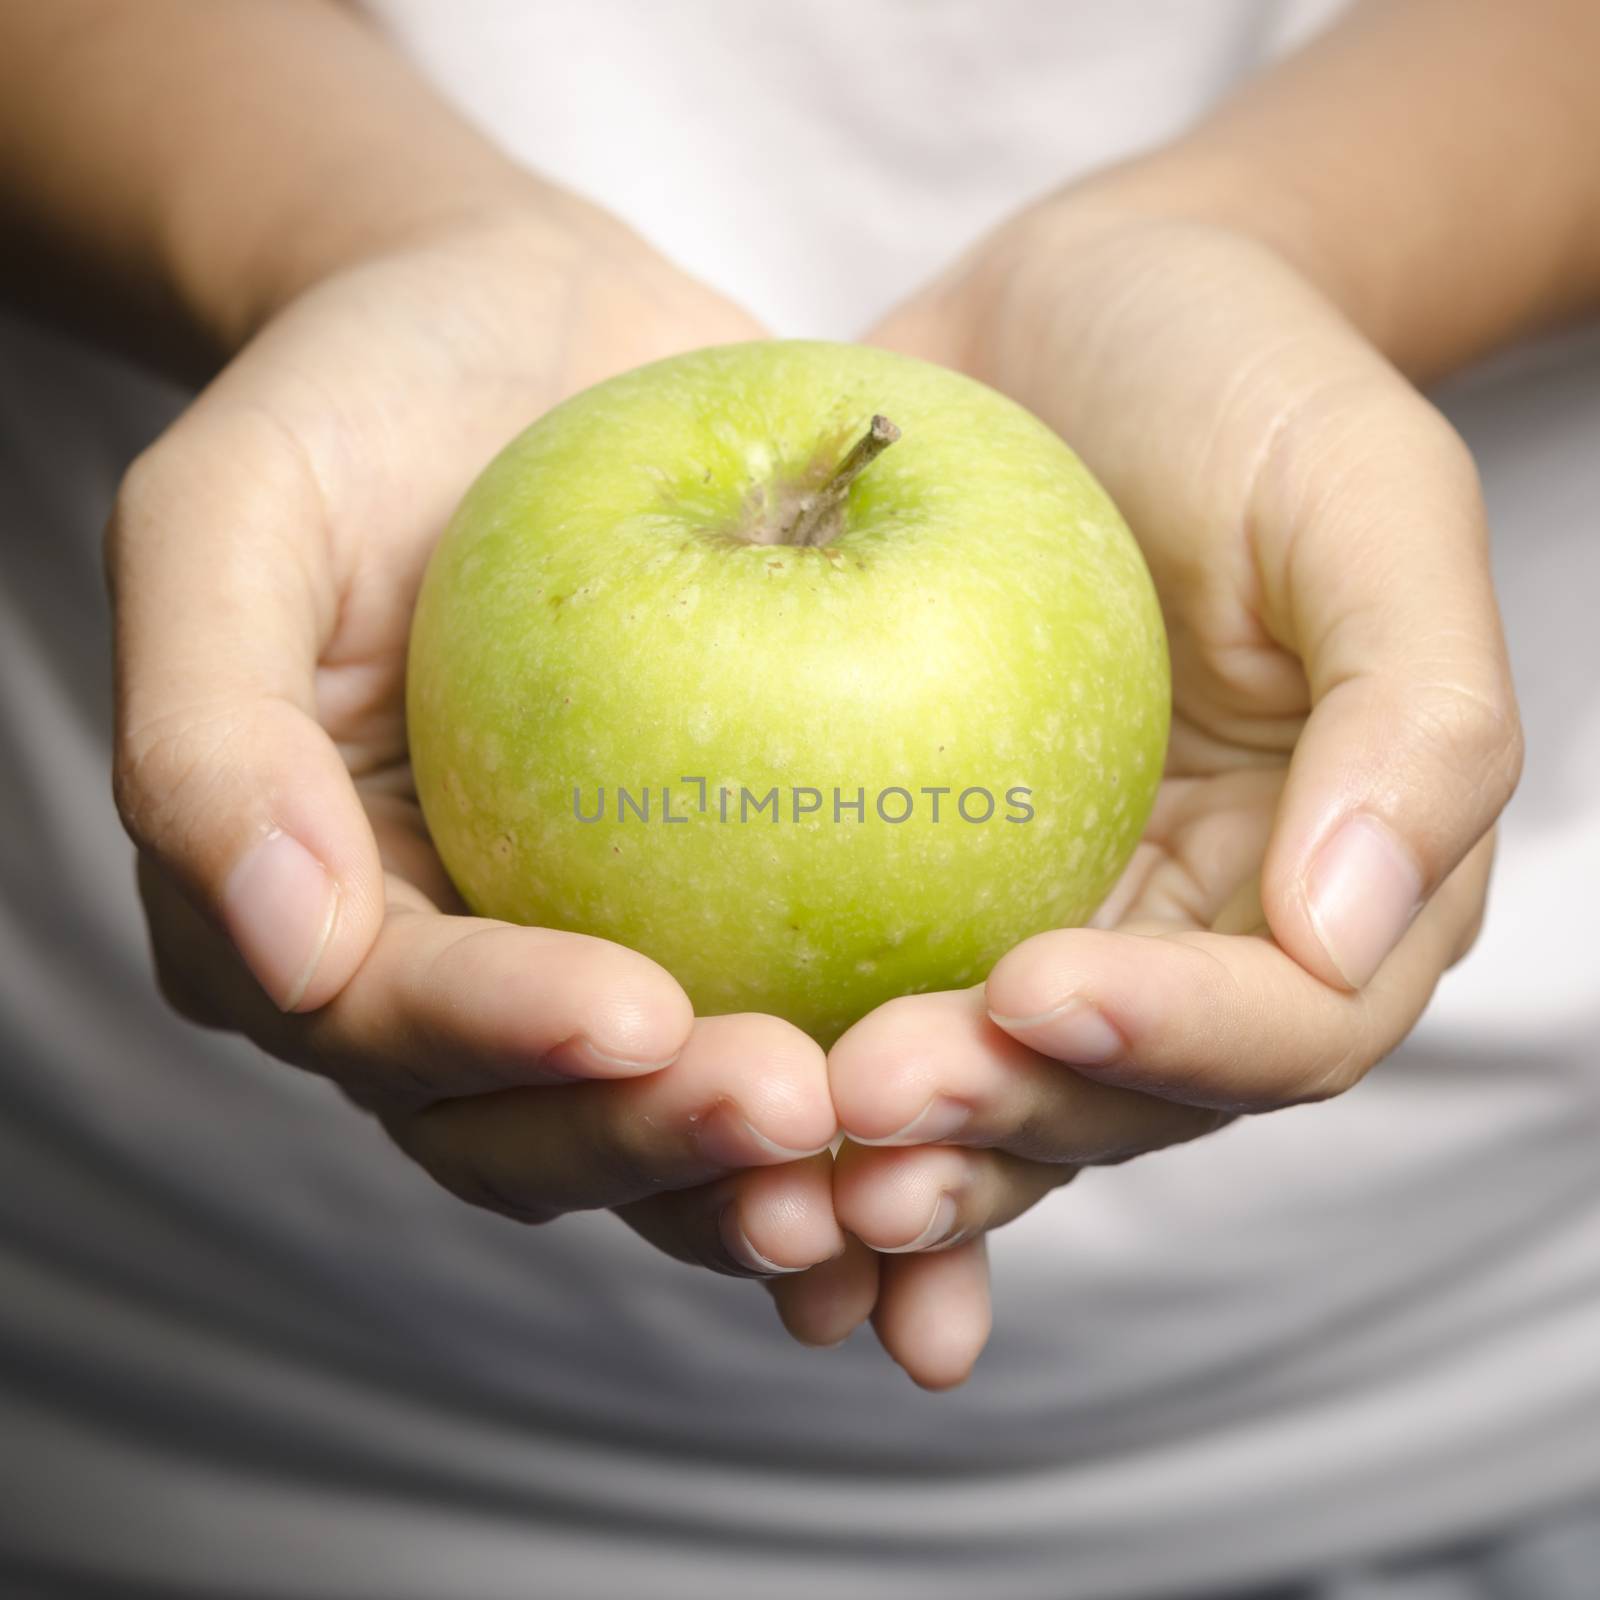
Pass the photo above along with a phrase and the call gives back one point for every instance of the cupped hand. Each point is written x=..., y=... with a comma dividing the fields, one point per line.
x=264, y=556
x=1344, y=735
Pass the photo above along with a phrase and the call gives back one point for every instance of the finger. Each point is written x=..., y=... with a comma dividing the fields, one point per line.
x=1381, y=584
x=763, y=1223
x=461, y=1005
x=933, y=1314
x=746, y=1091
x=824, y=1306
x=903, y=1202
x=1221, y=1020
x=223, y=602
x=928, y=1069
x=442, y=1006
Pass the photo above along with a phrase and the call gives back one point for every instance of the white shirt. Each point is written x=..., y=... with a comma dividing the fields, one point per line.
x=245, y=1347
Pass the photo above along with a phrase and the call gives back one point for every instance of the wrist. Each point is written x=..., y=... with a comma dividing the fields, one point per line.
x=288, y=143
x=1427, y=166
x=233, y=280
x=1186, y=184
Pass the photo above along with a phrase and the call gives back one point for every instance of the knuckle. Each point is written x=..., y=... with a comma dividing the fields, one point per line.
x=163, y=770
x=1434, y=443
x=1474, y=712
x=1479, y=730
x=142, y=477
x=1511, y=748
x=139, y=487
x=135, y=507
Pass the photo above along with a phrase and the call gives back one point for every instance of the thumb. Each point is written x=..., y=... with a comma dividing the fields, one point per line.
x=1374, y=555
x=222, y=600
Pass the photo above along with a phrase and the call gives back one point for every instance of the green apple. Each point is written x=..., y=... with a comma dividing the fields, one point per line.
x=818, y=674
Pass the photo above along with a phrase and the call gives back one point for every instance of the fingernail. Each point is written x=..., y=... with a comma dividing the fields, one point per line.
x=1362, y=892
x=737, y=1243
x=940, y=1119
x=1074, y=1031
x=625, y=1063
x=939, y=1227
x=279, y=906
x=727, y=1138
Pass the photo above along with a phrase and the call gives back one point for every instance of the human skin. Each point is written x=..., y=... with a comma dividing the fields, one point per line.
x=1241, y=296
x=429, y=302
x=1226, y=331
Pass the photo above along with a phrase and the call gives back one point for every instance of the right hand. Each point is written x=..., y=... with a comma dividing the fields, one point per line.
x=264, y=556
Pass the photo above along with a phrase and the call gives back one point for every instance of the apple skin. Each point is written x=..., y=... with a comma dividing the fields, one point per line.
x=981, y=618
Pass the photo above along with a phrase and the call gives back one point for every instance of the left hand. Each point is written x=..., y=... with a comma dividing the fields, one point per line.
x=1344, y=735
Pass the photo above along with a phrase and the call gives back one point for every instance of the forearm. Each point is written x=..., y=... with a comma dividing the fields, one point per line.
x=1434, y=165
x=189, y=164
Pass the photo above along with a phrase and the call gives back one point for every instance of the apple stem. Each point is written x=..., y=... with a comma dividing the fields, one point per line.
x=818, y=517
